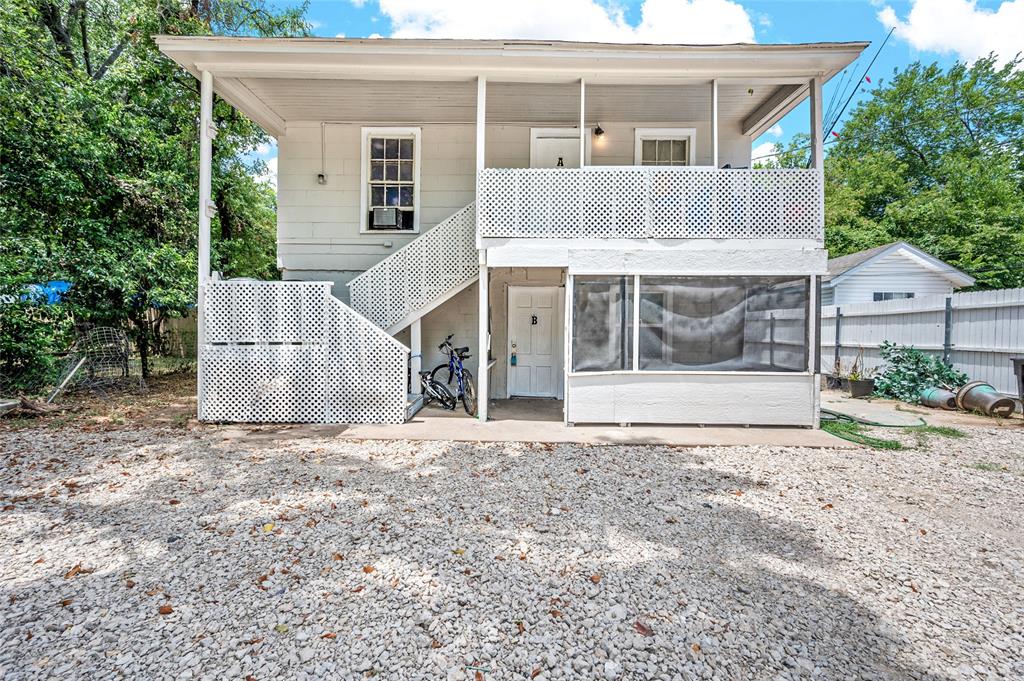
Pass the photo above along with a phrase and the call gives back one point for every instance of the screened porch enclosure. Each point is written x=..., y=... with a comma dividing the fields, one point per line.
x=637, y=323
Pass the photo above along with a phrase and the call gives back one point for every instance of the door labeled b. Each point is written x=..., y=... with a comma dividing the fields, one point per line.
x=534, y=341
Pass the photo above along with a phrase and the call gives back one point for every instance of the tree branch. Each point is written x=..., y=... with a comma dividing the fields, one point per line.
x=50, y=14
x=85, y=36
x=114, y=54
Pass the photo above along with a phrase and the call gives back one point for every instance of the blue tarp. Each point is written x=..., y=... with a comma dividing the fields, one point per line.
x=48, y=293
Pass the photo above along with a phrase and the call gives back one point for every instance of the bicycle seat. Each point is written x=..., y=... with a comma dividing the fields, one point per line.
x=462, y=351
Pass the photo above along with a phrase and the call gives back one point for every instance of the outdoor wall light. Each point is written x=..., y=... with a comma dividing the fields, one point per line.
x=598, y=131
x=321, y=178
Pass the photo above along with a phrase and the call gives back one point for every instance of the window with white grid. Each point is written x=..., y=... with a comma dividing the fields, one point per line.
x=391, y=173
x=664, y=146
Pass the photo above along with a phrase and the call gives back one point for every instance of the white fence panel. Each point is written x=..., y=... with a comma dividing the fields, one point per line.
x=637, y=202
x=286, y=351
x=986, y=329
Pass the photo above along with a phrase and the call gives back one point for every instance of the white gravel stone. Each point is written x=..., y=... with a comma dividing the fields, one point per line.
x=286, y=554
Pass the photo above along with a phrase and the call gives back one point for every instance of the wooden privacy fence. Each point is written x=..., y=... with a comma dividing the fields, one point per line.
x=977, y=332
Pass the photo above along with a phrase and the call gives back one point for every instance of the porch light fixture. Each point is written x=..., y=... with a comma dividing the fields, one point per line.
x=321, y=178
x=598, y=131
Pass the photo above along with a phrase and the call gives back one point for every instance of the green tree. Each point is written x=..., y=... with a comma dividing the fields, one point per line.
x=936, y=158
x=99, y=159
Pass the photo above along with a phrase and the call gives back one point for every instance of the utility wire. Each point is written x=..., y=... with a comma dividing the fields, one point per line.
x=859, y=81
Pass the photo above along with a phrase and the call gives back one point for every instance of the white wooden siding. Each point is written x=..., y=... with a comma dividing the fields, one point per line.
x=894, y=272
x=692, y=398
x=987, y=329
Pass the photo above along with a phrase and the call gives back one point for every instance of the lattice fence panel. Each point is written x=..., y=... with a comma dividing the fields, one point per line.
x=657, y=202
x=263, y=383
x=367, y=370
x=439, y=260
x=289, y=352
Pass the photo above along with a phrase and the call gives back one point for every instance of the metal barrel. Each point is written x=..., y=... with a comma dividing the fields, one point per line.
x=940, y=398
x=980, y=396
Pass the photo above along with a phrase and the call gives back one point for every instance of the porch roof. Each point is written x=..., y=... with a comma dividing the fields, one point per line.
x=277, y=80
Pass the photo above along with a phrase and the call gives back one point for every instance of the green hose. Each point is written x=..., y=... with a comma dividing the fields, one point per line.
x=830, y=415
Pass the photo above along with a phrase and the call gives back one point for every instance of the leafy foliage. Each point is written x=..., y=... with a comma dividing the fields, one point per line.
x=100, y=161
x=908, y=371
x=935, y=158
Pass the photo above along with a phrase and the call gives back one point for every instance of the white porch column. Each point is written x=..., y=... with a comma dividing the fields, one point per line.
x=483, y=289
x=416, y=360
x=481, y=141
x=813, y=350
x=583, y=123
x=714, y=123
x=206, y=135
x=484, y=353
x=817, y=142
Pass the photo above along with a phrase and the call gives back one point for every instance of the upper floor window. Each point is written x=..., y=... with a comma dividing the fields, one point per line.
x=892, y=295
x=391, y=173
x=664, y=146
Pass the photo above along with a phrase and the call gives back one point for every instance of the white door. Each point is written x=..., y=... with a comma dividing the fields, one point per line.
x=555, y=148
x=534, y=341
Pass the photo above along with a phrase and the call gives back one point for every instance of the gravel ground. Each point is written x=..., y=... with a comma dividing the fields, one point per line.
x=179, y=553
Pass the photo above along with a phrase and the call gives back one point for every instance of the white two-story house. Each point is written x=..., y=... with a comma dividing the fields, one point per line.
x=583, y=216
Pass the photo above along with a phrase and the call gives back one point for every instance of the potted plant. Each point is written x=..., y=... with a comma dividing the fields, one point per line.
x=861, y=381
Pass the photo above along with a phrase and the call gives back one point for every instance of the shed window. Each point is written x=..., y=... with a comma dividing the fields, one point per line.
x=391, y=166
x=892, y=295
x=602, y=318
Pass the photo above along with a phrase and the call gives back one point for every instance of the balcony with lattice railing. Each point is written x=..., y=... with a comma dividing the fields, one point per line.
x=638, y=202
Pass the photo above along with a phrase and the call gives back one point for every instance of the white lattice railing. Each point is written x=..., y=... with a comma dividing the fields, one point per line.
x=287, y=351
x=634, y=202
x=438, y=263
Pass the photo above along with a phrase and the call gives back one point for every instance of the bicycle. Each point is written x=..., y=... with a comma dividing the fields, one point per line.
x=444, y=374
x=432, y=390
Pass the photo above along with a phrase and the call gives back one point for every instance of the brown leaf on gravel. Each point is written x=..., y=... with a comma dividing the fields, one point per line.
x=38, y=561
x=695, y=647
x=555, y=613
x=65, y=603
x=368, y=569
x=78, y=570
x=642, y=628
x=338, y=556
x=250, y=677
x=252, y=642
x=329, y=635
x=520, y=626
x=596, y=579
x=434, y=643
x=826, y=507
x=173, y=502
x=165, y=609
x=358, y=589
x=479, y=676
x=923, y=531
x=499, y=557
x=535, y=673
x=130, y=584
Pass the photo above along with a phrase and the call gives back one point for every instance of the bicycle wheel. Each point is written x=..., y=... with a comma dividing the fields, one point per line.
x=468, y=393
x=443, y=375
x=435, y=391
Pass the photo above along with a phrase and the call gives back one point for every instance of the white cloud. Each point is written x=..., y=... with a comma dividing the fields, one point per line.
x=340, y=35
x=960, y=27
x=763, y=153
x=661, y=21
x=775, y=130
x=357, y=3
x=270, y=177
x=375, y=36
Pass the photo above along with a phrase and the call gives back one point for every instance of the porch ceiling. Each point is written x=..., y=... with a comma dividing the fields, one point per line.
x=275, y=81
x=395, y=101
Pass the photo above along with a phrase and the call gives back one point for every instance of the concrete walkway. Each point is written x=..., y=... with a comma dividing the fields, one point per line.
x=541, y=421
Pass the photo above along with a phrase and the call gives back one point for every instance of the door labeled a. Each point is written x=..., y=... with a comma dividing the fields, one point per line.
x=534, y=341
x=555, y=150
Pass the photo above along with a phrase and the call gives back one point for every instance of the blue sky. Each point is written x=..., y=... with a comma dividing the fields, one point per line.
x=927, y=30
